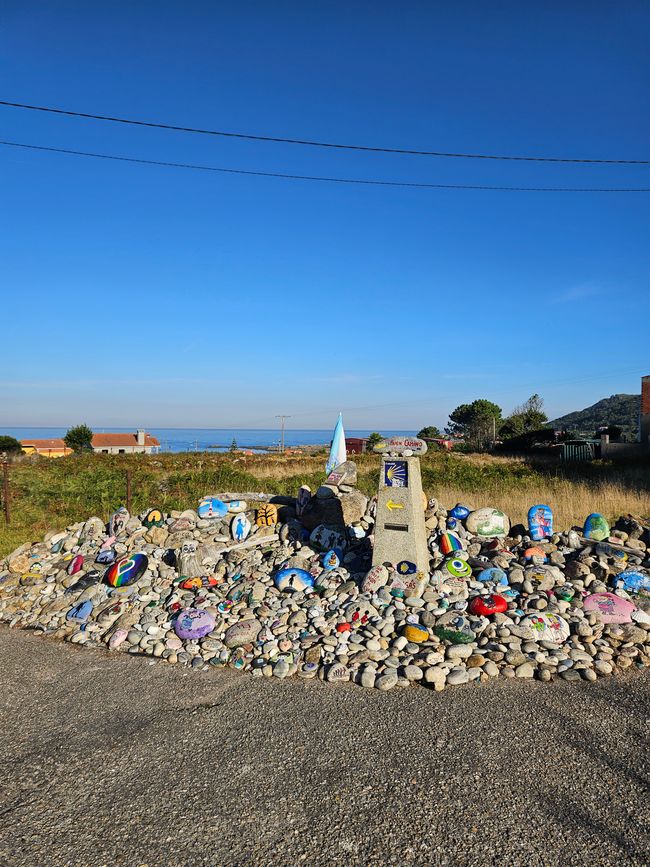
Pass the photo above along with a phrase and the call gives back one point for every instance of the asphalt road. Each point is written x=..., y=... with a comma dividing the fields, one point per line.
x=106, y=759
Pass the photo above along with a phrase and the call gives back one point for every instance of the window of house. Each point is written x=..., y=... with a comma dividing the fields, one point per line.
x=121, y=451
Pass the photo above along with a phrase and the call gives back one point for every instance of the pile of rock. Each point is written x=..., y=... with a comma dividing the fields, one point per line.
x=284, y=586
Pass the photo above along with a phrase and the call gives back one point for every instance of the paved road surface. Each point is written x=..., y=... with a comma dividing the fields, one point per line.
x=107, y=759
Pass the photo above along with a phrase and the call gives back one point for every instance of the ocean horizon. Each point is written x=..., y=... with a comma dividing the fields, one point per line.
x=212, y=439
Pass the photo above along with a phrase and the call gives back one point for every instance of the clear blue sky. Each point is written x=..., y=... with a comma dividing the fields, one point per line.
x=165, y=297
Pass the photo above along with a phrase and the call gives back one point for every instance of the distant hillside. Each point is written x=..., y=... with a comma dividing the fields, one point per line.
x=620, y=409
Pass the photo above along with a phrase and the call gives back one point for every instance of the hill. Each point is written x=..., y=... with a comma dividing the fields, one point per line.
x=619, y=409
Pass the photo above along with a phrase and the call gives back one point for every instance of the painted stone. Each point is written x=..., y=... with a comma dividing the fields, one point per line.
x=360, y=611
x=596, y=527
x=405, y=567
x=242, y=632
x=304, y=496
x=401, y=445
x=331, y=560
x=294, y=579
x=456, y=628
x=237, y=506
x=187, y=561
x=118, y=521
x=484, y=606
x=487, y=523
x=459, y=512
x=396, y=474
x=327, y=538
x=199, y=583
x=153, y=518
x=93, y=530
x=126, y=570
x=212, y=507
x=455, y=567
x=75, y=564
x=343, y=474
x=493, y=573
x=267, y=515
x=240, y=527
x=540, y=522
x=376, y=578
x=449, y=542
x=544, y=627
x=609, y=607
x=81, y=612
x=634, y=582
x=415, y=634
x=106, y=556
x=193, y=623
x=534, y=551
x=88, y=580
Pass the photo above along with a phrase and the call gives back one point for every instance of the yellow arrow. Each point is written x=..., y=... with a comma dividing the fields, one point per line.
x=391, y=505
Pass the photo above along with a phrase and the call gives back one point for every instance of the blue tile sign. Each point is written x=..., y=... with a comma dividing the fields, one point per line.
x=396, y=474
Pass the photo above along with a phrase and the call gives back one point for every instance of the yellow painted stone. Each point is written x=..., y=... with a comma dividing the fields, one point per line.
x=415, y=634
x=267, y=515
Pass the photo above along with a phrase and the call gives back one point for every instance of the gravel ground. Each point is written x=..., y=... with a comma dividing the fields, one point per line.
x=107, y=759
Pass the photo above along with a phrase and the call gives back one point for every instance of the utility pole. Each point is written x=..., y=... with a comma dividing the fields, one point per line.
x=282, y=419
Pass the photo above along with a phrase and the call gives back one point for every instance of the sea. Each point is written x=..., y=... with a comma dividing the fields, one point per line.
x=211, y=439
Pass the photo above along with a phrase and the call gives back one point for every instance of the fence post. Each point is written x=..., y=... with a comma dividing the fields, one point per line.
x=128, y=490
x=5, y=486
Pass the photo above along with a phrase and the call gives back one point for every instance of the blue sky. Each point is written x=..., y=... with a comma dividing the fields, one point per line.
x=165, y=297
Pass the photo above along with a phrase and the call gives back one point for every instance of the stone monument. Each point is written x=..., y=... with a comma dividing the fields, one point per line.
x=400, y=533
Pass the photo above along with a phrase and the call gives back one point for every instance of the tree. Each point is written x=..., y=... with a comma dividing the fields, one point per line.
x=79, y=438
x=372, y=440
x=475, y=422
x=9, y=445
x=233, y=445
x=530, y=416
x=430, y=432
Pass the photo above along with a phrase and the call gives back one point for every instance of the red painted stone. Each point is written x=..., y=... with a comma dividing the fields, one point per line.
x=343, y=627
x=75, y=564
x=487, y=605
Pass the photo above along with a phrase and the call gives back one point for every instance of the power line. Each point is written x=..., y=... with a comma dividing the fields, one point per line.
x=331, y=180
x=318, y=144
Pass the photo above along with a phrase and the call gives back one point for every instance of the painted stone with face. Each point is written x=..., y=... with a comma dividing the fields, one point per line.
x=187, y=561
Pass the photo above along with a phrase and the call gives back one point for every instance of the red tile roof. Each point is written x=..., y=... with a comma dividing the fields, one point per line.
x=44, y=444
x=117, y=440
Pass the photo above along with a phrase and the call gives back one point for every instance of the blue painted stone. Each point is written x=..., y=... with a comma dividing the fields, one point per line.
x=212, y=507
x=634, y=582
x=405, y=567
x=452, y=523
x=240, y=527
x=540, y=522
x=459, y=512
x=81, y=612
x=332, y=560
x=293, y=579
x=596, y=527
x=106, y=556
x=492, y=573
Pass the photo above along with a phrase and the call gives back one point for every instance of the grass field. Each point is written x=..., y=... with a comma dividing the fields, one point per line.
x=49, y=494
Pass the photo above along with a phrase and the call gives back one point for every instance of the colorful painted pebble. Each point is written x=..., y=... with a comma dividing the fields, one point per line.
x=75, y=564
x=332, y=560
x=202, y=583
x=634, y=582
x=106, y=556
x=153, y=518
x=237, y=506
x=240, y=527
x=81, y=612
x=609, y=607
x=456, y=567
x=485, y=606
x=405, y=567
x=459, y=512
x=488, y=523
x=193, y=623
x=492, y=573
x=596, y=527
x=546, y=627
x=126, y=570
x=118, y=521
x=212, y=507
x=540, y=522
x=294, y=579
x=267, y=515
x=449, y=542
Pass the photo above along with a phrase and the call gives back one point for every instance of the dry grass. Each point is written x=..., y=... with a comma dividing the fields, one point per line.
x=52, y=494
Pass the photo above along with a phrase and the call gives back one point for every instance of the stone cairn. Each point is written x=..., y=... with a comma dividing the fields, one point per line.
x=283, y=586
